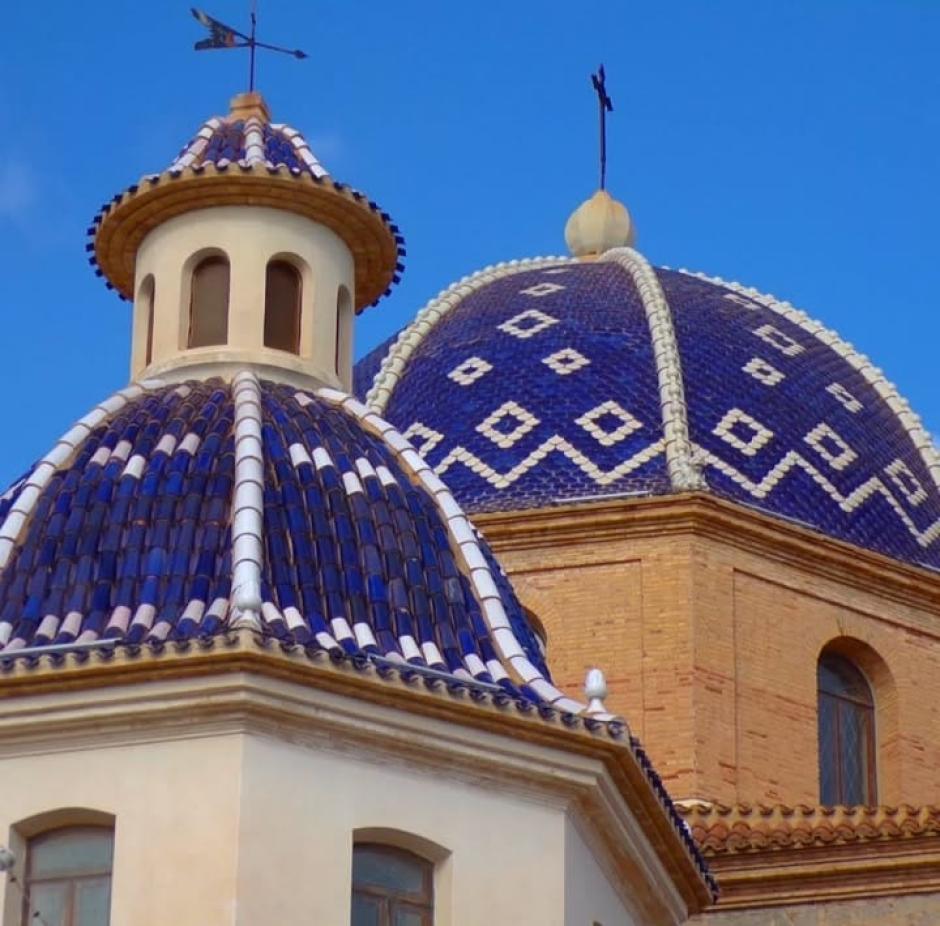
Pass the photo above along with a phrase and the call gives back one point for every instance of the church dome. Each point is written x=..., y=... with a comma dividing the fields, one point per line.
x=551, y=381
x=179, y=512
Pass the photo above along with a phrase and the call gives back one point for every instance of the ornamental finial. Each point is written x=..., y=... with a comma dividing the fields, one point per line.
x=600, y=223
x=595, y=689
x=597, y=225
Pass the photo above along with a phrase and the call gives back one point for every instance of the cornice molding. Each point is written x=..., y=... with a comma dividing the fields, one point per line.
x=846, y=871
x=770, y=855
x=701, y=515
x=248, y=686
x=122, y=224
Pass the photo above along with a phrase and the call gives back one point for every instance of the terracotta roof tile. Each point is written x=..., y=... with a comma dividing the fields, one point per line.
x=720, y=829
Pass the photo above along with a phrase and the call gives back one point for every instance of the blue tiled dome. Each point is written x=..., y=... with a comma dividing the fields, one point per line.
x=249, y=141
x=546, y=382
x=145, y=518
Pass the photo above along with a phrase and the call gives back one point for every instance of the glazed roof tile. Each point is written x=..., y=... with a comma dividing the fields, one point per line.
x=244, y=158
x=580, y=381
x=181, y=518
x=173, y=513
x=247, y=142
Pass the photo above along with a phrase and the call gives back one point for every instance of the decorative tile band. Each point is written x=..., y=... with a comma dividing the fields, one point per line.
x=392, y=368
x=872, y=374
x=683, y=471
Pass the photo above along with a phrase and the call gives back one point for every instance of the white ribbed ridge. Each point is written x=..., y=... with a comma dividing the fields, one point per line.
x=684, y=474
x=301, y=149
x=193, y=151
x=411, y=337
x=254, y=140
x=873, y=375
x=192, y=155
x=466, y=547
x=247, y=503
x=59, y=457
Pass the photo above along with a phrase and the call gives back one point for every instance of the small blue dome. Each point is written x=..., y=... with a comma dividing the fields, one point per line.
x=171, y=511
x=547, y=382
x=247, y=136
x=245, y=159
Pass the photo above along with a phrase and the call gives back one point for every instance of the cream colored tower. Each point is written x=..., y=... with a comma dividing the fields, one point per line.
x=246, y=208
x=247, y=638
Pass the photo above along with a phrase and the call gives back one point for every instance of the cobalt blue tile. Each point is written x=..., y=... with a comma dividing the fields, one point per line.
x=796, y=406
x=378, y=557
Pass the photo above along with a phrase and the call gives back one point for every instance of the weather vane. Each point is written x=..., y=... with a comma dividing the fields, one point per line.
x=606, y=106
x=222, y=36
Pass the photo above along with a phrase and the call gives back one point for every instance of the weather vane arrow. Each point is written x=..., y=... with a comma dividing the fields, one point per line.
x=222, y=36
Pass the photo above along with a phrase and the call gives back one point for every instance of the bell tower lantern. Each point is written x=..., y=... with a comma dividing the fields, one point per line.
x=246, y=251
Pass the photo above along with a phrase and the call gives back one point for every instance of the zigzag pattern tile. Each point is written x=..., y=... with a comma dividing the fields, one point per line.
x=778, y=419
x=856, y=500
x=557, y=459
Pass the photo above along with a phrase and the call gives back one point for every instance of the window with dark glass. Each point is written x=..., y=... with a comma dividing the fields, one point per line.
x=344, y=330
x=147, y=297
x=208, y=307
x=68, y=877
x=282, y=307
x=391, y=887
x=846, y=734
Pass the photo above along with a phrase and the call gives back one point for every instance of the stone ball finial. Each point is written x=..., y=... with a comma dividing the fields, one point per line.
x=597, y=225
x=595, y=689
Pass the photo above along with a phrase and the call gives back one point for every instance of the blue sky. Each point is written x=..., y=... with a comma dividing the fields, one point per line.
x=791, y=146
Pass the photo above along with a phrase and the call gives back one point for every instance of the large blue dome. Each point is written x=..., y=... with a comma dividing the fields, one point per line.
x=551, y=381
x=178, y=512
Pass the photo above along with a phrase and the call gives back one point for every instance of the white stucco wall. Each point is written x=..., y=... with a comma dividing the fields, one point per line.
x=246, y=829
x=505, y=858
x=249, y=236
x=176, y=805
x=590, y=898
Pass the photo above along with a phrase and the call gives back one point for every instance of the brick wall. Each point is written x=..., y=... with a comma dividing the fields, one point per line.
x=918, y=910
x=710, y=644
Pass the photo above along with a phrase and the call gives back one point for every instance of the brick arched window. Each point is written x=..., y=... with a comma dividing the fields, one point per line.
x=208, y=303
x=68, y=877
x=846, y=733
x=282, y=301
x=391, y=887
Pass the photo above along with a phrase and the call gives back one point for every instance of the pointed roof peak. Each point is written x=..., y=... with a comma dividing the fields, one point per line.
x=249, y=105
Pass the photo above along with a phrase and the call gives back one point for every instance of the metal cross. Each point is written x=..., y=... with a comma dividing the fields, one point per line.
x=222, y=36
x=606, y=106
